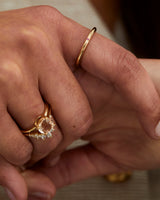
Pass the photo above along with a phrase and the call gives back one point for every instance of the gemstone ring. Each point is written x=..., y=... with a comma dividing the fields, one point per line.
x=43, y=126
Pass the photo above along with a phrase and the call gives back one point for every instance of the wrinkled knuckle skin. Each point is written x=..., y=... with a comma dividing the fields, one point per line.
x=127, y=65
x=32, y=39
x=47, y=12
x=23, y=154
x=51, y=19
x=81, y=127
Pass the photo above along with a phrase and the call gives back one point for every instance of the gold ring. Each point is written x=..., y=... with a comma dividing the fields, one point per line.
x=43, y=125
x=119, y=177
x=84, y=46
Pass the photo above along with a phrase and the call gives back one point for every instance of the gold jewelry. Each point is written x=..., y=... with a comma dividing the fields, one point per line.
x=84, y=46
x=43, y=125
x=118, y=177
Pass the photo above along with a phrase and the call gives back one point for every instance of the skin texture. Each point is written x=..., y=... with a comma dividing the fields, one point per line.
x=117, y=141
x=30, y=61
x=40, y=47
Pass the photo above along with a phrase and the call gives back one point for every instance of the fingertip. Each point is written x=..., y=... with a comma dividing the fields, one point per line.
x=39, y=195
x=13, y=196
x=17, y=191
x=12, y=181
x=39, y=185
x=10, y=194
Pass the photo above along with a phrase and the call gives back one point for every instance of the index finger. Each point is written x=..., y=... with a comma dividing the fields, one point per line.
x=115, y=65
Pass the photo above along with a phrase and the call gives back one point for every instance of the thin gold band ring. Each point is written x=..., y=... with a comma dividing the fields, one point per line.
x=84, y=46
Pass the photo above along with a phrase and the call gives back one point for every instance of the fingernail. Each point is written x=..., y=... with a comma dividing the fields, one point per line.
x=52, y=162
x=10, y=195
x=157, y=130
x=41, y=195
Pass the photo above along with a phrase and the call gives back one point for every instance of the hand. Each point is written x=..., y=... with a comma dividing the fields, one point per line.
x=33, y=69
x=39, y=45
x=117, y=142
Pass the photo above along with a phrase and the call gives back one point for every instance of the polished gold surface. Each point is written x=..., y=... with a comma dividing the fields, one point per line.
x=119, y=177
x=43, y=125
x=84, y=46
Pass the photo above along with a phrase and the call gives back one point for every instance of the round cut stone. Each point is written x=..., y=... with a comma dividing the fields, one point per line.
x=46, y=126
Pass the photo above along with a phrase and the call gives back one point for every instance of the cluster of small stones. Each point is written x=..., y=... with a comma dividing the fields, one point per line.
x=42, y=136
x=45, y=128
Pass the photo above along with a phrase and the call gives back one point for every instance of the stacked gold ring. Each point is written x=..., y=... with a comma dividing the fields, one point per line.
x=43, y=126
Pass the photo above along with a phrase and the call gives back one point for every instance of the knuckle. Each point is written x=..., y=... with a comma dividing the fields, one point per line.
x=23, y=155
x=31, y=37
x=46, y=11
x=48, y=16
x=126, y=65
x=40, y=153
x=19, y=150
x=81, y=127
x=11, y=73
x=35, y=36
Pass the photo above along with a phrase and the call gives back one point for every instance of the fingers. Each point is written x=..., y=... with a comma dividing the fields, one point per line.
x=12, y=181
x=30, y=105
x=69, y=103
x=117, y=66
x=79, y=164
x=14, y=147
x=27, y=105
x=43, y=147
x=39, y=185
x=60, y=89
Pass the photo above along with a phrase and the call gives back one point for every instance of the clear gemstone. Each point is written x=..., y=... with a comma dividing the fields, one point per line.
x=46, y=125
x=43, y=137
x=49, y=135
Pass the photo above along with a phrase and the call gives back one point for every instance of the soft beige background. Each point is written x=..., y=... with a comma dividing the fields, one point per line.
x=143, y=185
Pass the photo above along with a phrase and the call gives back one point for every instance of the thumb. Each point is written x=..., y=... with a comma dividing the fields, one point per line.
x=78, y=164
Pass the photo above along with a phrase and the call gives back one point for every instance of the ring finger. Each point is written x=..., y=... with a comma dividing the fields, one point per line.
x=25, y=108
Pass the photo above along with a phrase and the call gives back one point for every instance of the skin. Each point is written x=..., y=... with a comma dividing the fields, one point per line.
x=117, y=141
x=40, y=47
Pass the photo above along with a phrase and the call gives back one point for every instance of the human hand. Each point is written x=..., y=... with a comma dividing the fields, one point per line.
x=39, y=42
x=33, y=69
x=117, y=141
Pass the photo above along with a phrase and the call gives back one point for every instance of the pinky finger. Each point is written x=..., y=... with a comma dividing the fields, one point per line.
x=12, y=181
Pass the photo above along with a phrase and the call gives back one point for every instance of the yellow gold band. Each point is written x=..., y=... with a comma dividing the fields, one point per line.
x=43, y=125
x=84, y=46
